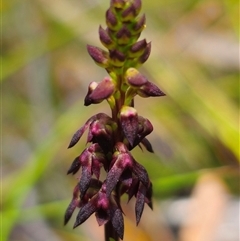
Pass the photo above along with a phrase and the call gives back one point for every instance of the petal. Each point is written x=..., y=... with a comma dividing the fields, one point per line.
x=147, y=145
x=76, y=137
x=133, y=189
x=113, y=178
x=114, y=173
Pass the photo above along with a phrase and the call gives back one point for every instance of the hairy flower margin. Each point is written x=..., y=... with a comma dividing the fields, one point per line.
x=112, y=138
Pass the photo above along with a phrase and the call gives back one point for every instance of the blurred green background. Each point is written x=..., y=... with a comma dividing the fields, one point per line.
x=45, y=74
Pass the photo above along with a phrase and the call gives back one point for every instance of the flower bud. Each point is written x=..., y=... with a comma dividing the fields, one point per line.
x=137, y=49
x=132, y=11
x=117, y=58
x=111, y=20
x=118, y=3
x=129, y=14
x=105, y=38
x=140, y=24
x=134, y=78
x=137, y=4
x=123, y=35
x=100, y=56
x=143, y=58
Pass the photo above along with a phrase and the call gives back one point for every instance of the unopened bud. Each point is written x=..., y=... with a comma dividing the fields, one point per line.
x=105, y=38
x=137, y=49
x=111, y=20
x=117, y=58
x=134, y=78
x=140, y=24
x=123, y=35
x=118, y=3
x=100, y=56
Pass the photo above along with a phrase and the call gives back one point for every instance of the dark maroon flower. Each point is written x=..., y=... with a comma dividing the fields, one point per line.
x=102, y=91
x=123, y=160
x=110, y=139
x=106, y=209
x=104, y=118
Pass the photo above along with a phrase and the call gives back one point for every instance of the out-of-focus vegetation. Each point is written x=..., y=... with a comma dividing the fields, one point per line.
x=45, y=74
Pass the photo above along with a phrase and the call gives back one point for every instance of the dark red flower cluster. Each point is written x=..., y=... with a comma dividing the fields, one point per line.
x=112, y=138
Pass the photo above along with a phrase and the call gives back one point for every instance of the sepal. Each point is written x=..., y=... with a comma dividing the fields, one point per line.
x=150, y=90
x=129, y=123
